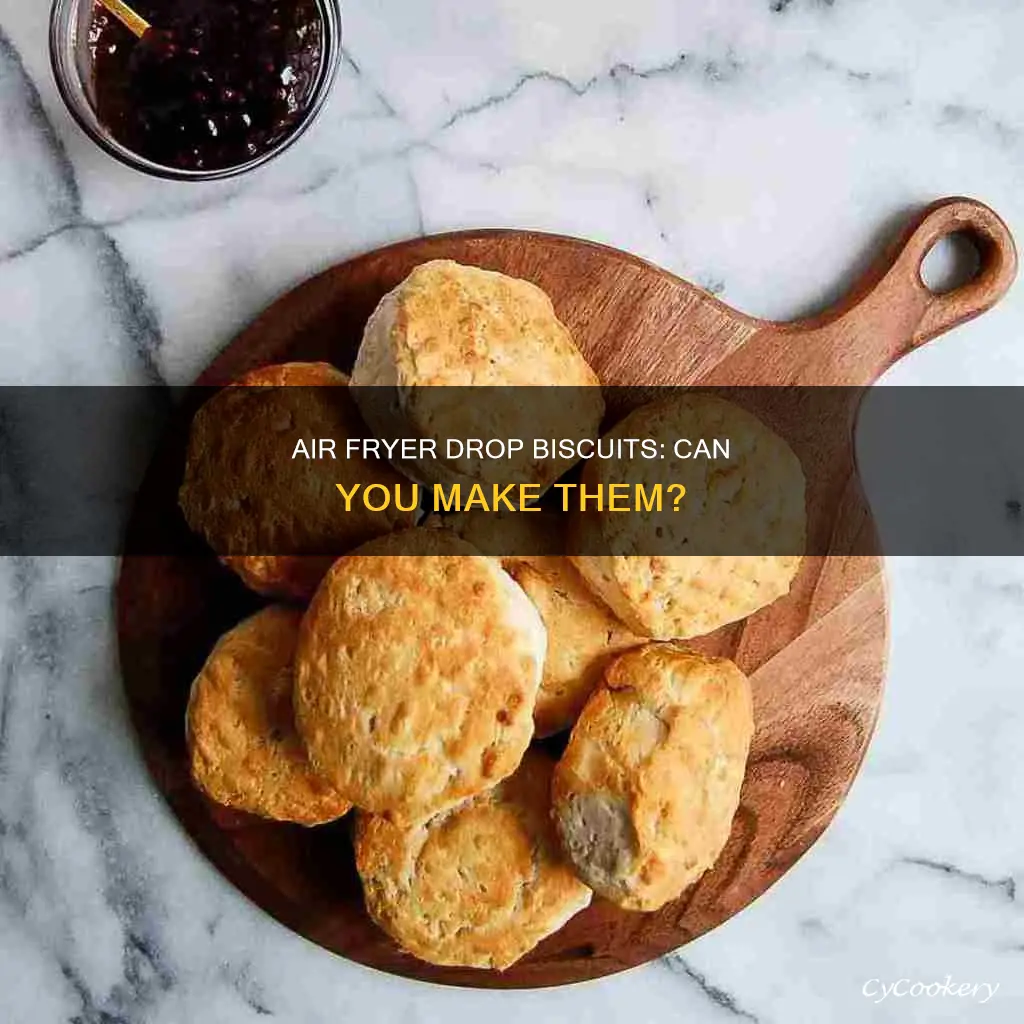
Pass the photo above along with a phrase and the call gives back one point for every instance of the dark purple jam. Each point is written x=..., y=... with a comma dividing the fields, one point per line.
x=213, y=84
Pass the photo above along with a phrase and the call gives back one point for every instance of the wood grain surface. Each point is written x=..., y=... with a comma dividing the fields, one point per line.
x=816, y=658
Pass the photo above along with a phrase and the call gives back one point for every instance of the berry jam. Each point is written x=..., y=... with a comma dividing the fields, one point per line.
x=214, y=83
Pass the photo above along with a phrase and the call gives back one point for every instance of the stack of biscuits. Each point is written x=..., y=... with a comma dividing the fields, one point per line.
x=408, y=675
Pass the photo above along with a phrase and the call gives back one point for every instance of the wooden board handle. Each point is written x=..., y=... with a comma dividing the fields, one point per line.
x=997, y=270
x=892, y=310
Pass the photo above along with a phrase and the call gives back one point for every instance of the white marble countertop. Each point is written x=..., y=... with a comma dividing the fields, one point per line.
x=761, y=148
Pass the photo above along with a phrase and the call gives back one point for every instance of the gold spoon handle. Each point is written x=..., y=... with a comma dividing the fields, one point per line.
x=124, y=14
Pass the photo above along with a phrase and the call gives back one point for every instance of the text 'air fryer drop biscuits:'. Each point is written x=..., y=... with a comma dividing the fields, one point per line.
x=417, y=674
x=244, y=751
x=478, y=886
x=646, y=791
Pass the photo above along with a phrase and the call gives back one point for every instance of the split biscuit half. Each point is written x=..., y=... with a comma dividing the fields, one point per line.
x=645, y=793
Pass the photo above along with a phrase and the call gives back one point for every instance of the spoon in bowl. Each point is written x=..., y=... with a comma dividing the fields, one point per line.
x=135, y=23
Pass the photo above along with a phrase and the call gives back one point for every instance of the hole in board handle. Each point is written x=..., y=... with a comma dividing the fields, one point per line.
x=953, y=261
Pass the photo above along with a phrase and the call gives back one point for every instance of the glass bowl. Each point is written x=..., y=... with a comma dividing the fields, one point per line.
x=69, y=59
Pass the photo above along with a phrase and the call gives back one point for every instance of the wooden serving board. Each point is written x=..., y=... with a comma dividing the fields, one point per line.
x=817, y=658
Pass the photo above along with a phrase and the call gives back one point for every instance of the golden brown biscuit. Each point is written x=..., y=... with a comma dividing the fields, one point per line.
x=293, y=375
x=449, y=326
x=245, y=494
x=478, y=886
x=754, y=502
x=417, y=673
x=244, y=751
x=583, y=633
x=646, y=791
x=289, y=577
